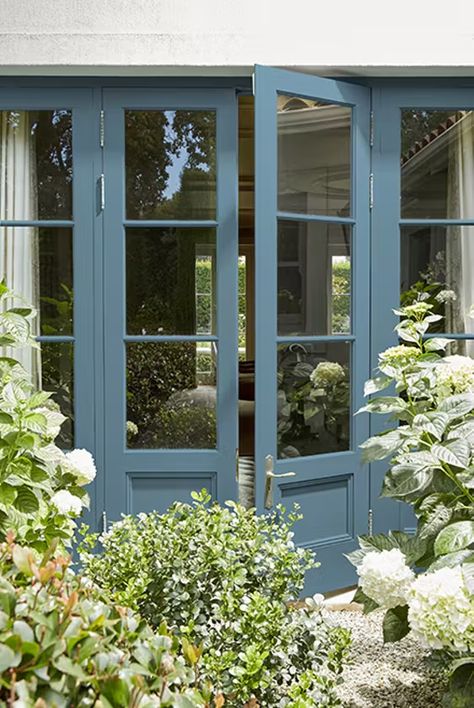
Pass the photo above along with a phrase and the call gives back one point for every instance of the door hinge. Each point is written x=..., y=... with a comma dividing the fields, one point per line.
x=371, y=190
x=101, y=185
x=370, y=522
x=102, y=129
x=104, y=521
x=372, y=129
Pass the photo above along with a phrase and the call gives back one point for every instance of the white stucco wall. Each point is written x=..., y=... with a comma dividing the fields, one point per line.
x=229, y=36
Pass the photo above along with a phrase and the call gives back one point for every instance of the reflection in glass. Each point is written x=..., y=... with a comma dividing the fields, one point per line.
x=437, y=265
x=437, y=164
x=170, y=163
x=313, y=398
x=314, y=278
x=171, y=281
x=314, y=157
x=57, y=377
x=35, y=165
x=171, y=395
x=37, y=263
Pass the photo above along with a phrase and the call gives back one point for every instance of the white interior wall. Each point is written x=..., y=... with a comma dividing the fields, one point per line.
x=416, y=37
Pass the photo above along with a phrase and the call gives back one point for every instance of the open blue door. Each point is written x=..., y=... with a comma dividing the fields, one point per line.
x=312, y=309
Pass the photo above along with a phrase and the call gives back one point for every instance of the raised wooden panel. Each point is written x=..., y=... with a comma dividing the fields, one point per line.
x=156, y=492
x=326, y=506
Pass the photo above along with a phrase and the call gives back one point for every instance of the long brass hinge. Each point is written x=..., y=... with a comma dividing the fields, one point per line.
x=102, y=129
x=370, y=522
x=104, y=521
x=371, y=190
x=372, y=129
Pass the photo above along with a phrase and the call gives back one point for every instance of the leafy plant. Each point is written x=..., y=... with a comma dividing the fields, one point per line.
x=41, y=489
x=431, y=449
x=223, y=578
x=63, y=645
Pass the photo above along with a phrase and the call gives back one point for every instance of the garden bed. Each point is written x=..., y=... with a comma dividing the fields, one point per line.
x=378, y=675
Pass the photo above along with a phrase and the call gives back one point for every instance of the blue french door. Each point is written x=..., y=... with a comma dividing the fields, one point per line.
x=47, y=202
x=312, y=309
x=168, y=195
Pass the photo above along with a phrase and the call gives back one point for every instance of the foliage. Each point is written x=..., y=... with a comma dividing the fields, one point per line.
x=341, y=297
x=313, y=407
x=33, y=470
x=431, y=450
x=62, y=645
x=222, y=577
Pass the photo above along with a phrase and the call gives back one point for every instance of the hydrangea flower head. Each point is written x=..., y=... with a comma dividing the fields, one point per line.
x=82, y=464
x=398, y=357
x=327, y=374
x=446, y=296
x=454, y=374
x=441, y=610
x=66, y=503
x=385, y=577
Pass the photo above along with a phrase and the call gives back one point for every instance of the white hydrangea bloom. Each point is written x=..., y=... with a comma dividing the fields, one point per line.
x=446, y=296
x=82, y=465
x=327, y=374
x=454, y=374
x=385, y=577
x=441, y=610
x=66, y=503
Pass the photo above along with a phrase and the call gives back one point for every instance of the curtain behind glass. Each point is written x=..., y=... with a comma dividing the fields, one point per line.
x=19, y=248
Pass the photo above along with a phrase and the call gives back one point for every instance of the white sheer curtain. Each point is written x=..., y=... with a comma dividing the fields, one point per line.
x=460, y=239
x=19, y=249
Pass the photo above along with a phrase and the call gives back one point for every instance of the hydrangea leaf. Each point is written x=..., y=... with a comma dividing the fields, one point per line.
x=454, y=537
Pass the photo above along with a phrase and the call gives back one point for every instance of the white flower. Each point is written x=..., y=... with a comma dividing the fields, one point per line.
x=66, y=503
x=454, y=374
x=132, y=428
x=441, y=610
x=446, y=296
x=82, y=465
x=326, y=374
x=385, y=577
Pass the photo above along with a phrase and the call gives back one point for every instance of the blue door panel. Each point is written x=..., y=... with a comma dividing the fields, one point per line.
x=331, y=488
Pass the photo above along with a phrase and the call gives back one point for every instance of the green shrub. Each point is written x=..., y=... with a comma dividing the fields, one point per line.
x=223, y=579
x=41, y=488
x=62, y=645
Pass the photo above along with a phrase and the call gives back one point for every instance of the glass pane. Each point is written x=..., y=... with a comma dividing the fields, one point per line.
x=171, y=395
x=314, y=278
x=170, y=164
x=171, y=281
x=37, y=264
x=313, y=398
x=437, y=264
x=314, y=157
x=36, y=165
x=57, y=375
x=437, y=164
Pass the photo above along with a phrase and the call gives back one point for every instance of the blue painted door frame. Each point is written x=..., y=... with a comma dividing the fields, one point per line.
x=142, y=480
x=334, y=487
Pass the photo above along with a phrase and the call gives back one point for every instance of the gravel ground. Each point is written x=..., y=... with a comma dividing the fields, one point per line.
x=385, y=675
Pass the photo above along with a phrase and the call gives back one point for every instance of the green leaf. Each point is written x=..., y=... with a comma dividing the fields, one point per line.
x=454, y=537
x=452, y=560
x=435, y=344
x=7, y=658
x=436, y=519
x=367, y=602
x=378, y=383
x=461, y=685
x=456, y=452
x=403, y=481
x=457, y=406
x=384, y=405
x=381, y=446
x=5, y=418
x=395, y=624
x=433, y=422
x=36, y=422
x=23, y=559
x=67, y=666
x=116, y=691
x=26, y=500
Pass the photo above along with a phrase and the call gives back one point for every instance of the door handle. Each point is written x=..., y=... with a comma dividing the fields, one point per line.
x=270, y=475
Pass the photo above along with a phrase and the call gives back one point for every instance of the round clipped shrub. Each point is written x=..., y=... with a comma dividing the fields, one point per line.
x=223, y=578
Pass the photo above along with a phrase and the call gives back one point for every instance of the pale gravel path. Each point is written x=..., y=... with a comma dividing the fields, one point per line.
x=385, y=675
